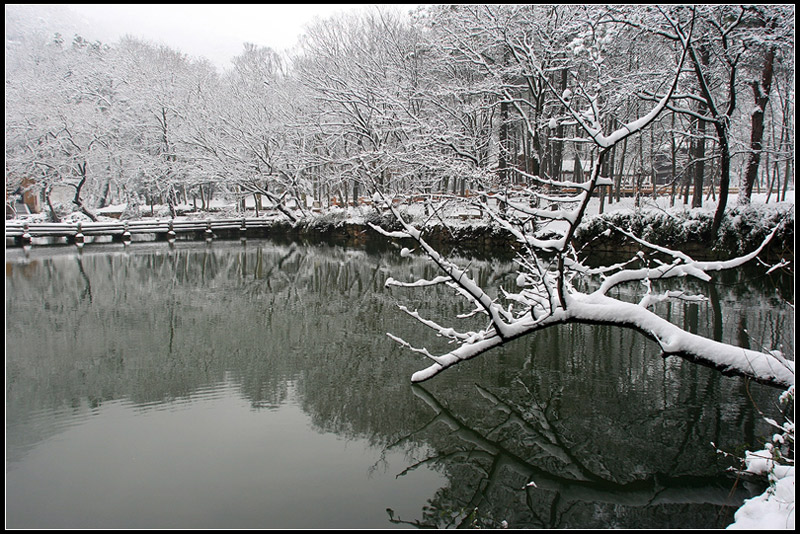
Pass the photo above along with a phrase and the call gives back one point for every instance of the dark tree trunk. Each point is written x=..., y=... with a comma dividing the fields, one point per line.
x=53, y=214
x=77, y=200
x=761, y=98
x=558, y=145
x=698, y=164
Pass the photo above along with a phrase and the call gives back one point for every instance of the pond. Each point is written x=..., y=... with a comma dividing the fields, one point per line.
x=252, y=385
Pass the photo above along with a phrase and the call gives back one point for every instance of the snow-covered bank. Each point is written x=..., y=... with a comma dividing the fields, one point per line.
x=452, y=213
x=773, y=509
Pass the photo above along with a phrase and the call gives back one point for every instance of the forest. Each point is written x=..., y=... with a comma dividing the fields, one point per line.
x=445, y=100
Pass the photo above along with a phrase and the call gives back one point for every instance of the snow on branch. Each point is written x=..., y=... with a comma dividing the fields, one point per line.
x=387, y=233
x=683, y=265
x=650, y=299
x=419, y=283
x=762, y=366
x=406, y=344
x=460, y=278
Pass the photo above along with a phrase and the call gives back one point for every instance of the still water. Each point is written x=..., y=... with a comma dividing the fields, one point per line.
x=252, y=385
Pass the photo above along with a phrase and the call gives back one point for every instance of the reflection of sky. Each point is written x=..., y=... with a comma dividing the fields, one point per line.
x=213, y=462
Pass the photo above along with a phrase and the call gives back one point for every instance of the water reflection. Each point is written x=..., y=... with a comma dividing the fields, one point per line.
x=576, y=427
x=526, y=467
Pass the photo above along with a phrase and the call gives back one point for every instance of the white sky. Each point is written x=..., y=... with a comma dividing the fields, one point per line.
x=214, y=31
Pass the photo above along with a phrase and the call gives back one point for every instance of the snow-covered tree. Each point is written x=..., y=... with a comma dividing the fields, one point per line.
x=770, y=38
x=728, y=38
x=161, y=88
x=62, y=135
x=255, y=143
x=364, y=75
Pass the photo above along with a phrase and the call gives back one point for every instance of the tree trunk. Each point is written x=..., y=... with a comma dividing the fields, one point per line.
x=171, y=203
x=725, y=174
x=504, y=146
x=786, y=174
x=77, y=200
x=673, y=164
x=698, y=156
x=620, y=173
x=558, y=145
x=611, y=177
x=53, y=214
x=104, y=198
x=761, y=98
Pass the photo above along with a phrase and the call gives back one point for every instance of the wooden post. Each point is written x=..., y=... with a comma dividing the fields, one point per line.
x=26, y=235
x=79, y=235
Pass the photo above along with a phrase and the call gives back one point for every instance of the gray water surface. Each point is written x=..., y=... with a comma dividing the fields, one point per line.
x=232, y=385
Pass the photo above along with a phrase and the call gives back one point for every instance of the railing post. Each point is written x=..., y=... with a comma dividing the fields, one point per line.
x=126, y=234
x=171, y=231
x=79, y=235
x=209, y=233
x=26, y=234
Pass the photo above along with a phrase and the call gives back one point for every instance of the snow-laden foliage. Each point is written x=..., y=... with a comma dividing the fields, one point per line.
x=546, y=297
x=745, y=227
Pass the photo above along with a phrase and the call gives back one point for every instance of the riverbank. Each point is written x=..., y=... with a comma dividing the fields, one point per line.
x=469, y=232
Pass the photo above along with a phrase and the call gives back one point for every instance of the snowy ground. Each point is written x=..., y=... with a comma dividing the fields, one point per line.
x=661, y=203
x=774, y=509
x=453, y=214
x=456, y=214
x=709, y=205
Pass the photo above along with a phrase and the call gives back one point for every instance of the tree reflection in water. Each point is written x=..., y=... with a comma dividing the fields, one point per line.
x=523, y=470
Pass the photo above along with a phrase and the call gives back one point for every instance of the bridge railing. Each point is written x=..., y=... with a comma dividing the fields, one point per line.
x=19, y=229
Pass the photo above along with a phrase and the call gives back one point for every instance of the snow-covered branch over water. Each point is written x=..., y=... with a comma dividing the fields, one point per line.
x=534, y=308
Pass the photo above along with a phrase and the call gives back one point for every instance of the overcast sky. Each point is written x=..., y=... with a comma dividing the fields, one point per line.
x=215, y=31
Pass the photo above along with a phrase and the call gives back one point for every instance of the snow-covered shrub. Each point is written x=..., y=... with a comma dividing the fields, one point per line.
x=744, y=228
x=387, y=220
x=334, y=217
x=62, y=210
x=654, y=226
x=75, y=216
x=162, y=211
x=778, y=452
x=131, y=212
